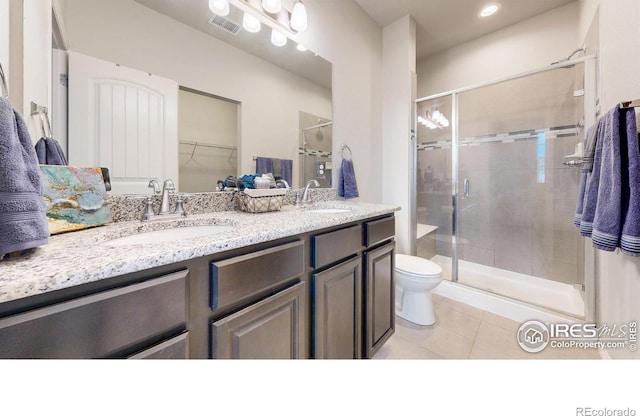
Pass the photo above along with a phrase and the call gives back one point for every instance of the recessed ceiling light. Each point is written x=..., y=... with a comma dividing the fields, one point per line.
x=489, y=9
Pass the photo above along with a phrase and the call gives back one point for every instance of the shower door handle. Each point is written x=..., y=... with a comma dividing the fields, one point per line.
x=466, y=188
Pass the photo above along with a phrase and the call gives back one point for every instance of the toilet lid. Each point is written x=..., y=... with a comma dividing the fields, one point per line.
x=417, y=266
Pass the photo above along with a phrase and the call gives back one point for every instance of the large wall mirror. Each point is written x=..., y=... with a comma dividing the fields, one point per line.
x=233, y=95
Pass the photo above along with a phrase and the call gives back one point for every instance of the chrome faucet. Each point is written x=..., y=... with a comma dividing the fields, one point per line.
x=305, y=194
x=167, y=188
x=165, y=210
x=283, y=182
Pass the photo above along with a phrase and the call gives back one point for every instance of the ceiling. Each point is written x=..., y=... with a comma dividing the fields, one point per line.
x=441, y=24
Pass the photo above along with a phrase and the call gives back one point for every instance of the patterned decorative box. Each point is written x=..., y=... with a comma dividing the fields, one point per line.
x=75, y=198
x=260, y=200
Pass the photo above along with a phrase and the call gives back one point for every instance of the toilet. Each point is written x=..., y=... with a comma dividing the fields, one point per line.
x=415, y=277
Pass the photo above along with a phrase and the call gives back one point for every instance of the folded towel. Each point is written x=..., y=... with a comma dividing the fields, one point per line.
x=607, y=220
x=590, y=143
x=630, y=239
x=347, y=185
x=592, y=183
x=249, y=181
x=23, y=220
x=50, y=152
x=279, y=168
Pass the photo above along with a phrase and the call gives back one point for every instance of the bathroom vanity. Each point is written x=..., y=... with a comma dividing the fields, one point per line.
x=311, y=282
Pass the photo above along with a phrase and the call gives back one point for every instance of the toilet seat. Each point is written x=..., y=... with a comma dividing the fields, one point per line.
x=417, y=267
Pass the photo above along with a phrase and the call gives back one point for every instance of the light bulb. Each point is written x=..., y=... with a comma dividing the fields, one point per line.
x=277, y=38
x=299, y=17
x=301, y=47
x=219, y=7
x=250, y=23
x=272, y=6
x=489, y=9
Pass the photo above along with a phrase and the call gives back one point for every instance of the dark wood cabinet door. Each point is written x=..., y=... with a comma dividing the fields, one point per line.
x=272, y=328
x=379, y=289
x=337, y=311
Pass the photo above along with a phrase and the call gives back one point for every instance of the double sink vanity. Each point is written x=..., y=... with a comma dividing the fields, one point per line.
x=310, y=281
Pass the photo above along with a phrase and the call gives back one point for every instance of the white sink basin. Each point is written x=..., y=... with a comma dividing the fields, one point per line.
x=171, y=234
x=328, y=210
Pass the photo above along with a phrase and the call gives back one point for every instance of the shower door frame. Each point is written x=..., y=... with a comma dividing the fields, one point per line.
x=591, y=112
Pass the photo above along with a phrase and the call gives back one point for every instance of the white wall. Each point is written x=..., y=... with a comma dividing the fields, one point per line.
x=27, y=34
x=343, y=33
x=399, y=49
x=531, y=44
x=618, y=274
x=112, y=31
x=37, y=61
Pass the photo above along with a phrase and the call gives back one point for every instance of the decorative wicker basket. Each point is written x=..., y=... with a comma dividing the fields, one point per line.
x=260, y=200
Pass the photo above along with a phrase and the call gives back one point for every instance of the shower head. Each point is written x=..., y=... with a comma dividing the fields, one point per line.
x=568, y=58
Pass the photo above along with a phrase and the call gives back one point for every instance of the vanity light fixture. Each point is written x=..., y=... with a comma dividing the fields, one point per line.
x=489, y=9
x=434, y=120
x=251, y=23
x=219, y=7
x=299, y=17
x=277, y=38
x=272, y=6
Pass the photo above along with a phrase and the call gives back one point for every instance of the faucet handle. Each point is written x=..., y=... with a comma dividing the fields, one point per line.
x=148, y=209
x=180, y=207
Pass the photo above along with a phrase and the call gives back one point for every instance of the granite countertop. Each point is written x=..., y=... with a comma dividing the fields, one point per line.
x=80, y=257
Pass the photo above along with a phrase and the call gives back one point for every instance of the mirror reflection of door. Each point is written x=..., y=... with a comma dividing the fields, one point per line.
x=123, y=119
x=208, y=134
x=316, y=138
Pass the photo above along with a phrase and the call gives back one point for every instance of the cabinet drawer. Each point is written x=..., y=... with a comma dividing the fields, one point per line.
x=252, y=275
x=99, y=325
x=377, y=231
x=335, y=245
x=174, y=348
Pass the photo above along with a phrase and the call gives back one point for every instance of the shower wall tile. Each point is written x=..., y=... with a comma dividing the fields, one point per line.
x=557, y=271
x=478, y=254
x=426, y=247
x=513, y=247
x=478, y=234
x=516, y=183
x=513, y=212
x=444, y=248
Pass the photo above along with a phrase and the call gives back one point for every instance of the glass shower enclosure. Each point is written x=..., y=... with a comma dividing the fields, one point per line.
x=495, y=196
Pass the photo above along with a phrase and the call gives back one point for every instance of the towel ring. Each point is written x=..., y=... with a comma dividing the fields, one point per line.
x=342, y=149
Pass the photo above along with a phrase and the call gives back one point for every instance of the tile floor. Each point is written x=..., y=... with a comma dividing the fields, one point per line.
x=462, y=331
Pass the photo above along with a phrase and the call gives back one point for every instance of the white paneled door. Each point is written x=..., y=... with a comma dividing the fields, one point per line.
x=122, y=119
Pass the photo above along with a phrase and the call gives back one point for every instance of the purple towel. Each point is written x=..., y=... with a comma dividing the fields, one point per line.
x=50, y=152
x=630, y=239
x=590, y=142
x=23, y=214
x=264, y=165
x=607, y=220
x=592, y=180
x=347, y=185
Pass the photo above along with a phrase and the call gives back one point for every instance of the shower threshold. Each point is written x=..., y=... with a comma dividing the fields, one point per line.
x=554, y=296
